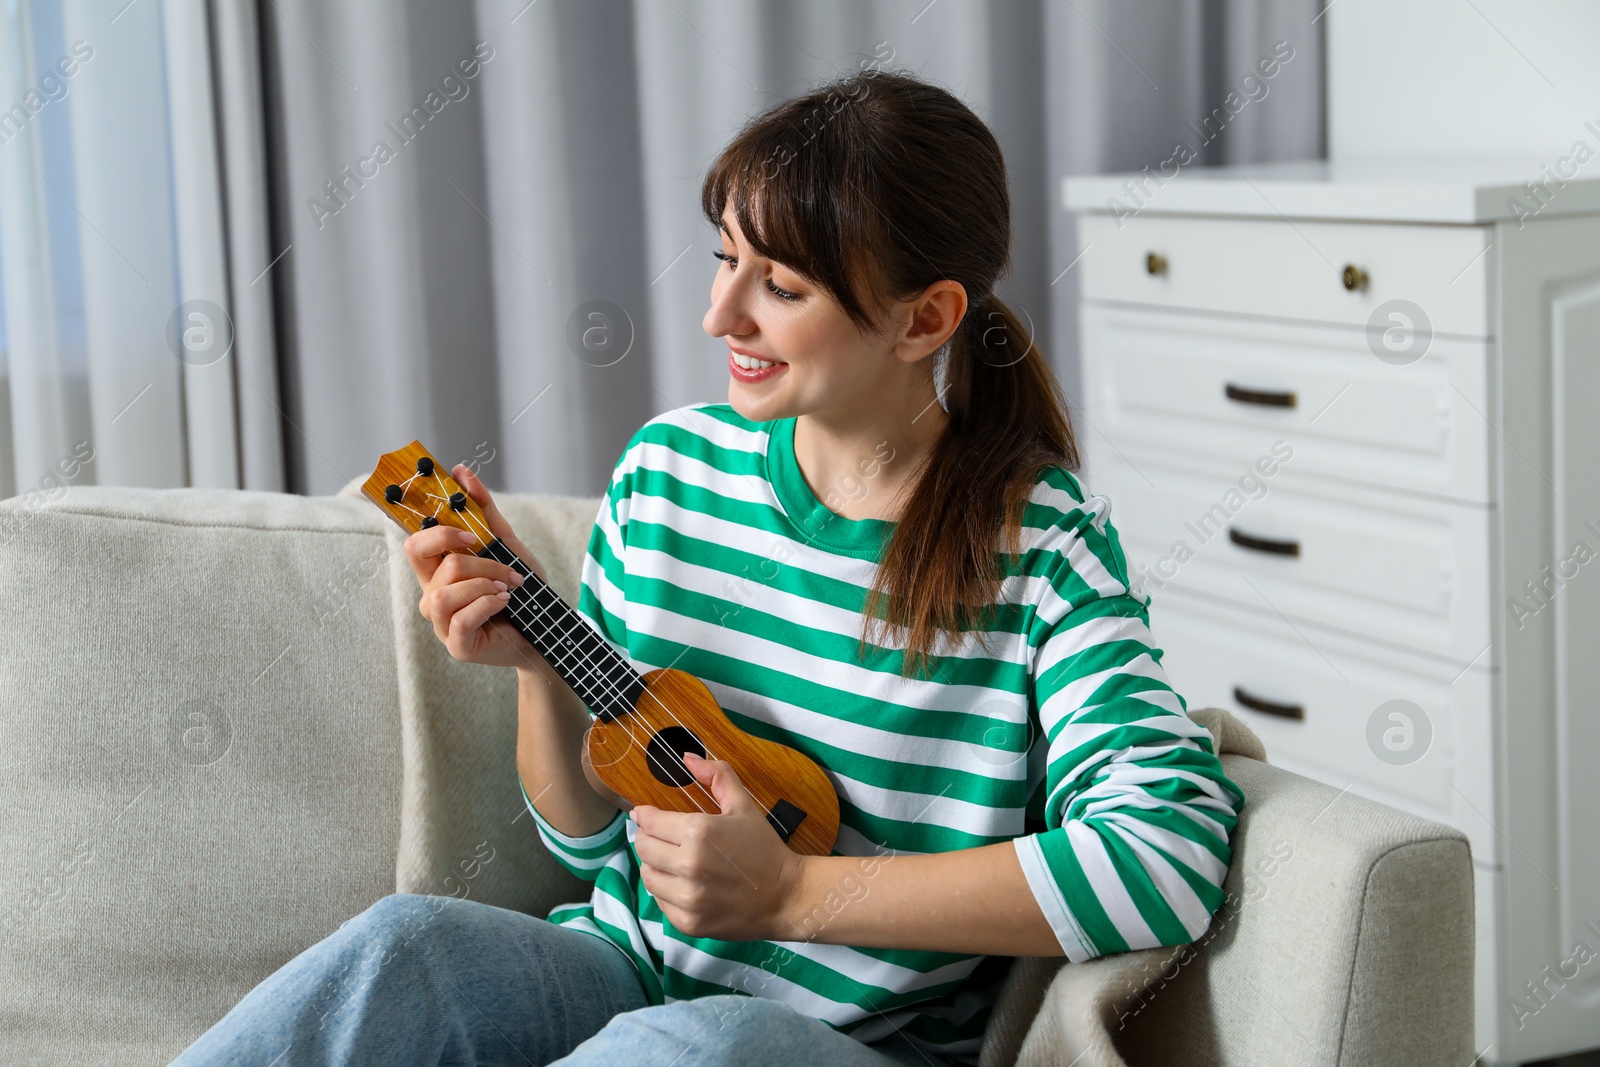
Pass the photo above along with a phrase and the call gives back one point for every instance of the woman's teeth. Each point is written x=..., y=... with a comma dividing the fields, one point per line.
x=751, y=363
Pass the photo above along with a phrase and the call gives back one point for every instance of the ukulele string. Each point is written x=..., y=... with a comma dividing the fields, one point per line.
x=600, y=683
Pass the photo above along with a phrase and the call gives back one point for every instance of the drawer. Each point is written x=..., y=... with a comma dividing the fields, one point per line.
x=1292, y=270
x=1436, y=760
x=1173, y=382
x=1382, y=566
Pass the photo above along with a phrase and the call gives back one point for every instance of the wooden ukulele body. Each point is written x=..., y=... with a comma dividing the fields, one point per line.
x=640, y=757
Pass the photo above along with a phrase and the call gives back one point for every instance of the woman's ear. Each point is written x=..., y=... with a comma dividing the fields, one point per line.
x=934, y=317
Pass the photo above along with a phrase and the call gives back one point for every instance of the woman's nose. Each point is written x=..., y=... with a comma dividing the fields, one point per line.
x=727, y=314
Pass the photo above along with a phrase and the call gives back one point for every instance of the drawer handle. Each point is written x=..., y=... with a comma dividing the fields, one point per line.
x=1155, y=263
x=1262, y=544
x=1258, y=396
x=1353, y=277
x=1269, y=707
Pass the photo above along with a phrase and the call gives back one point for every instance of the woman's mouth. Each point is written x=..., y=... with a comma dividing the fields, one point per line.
x=749, y=369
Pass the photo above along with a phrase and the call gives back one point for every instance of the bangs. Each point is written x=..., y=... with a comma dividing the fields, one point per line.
x=803, y=206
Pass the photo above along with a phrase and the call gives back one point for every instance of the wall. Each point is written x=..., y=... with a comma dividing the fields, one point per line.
x=1462, y=78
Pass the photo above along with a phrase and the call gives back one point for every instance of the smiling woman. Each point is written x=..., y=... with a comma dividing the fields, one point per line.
x=953, y=639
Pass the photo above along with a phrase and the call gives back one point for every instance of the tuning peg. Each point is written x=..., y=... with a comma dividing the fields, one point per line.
x=393, y=494
x=425, y=466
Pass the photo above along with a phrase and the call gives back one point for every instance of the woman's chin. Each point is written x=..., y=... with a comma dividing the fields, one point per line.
x=756, y=404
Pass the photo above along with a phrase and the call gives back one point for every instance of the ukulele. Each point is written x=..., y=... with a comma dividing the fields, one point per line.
x=643, y=724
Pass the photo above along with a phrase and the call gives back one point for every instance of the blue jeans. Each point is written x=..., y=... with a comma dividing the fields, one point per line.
x=436, y=980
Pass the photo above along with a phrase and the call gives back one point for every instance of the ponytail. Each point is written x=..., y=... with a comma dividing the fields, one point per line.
x=941, y=570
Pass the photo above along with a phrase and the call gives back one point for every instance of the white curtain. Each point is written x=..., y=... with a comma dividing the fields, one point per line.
x=123, y=360
x=403, y=211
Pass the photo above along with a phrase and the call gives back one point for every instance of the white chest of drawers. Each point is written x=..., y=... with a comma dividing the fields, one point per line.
x=1348, y=417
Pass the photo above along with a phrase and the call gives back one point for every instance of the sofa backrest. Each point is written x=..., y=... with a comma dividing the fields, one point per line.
x=202, y=727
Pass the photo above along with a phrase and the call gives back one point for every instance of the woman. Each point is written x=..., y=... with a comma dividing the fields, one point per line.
x=876, y=552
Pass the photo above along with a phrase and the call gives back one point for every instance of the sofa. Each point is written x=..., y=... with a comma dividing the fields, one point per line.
x=225, y=728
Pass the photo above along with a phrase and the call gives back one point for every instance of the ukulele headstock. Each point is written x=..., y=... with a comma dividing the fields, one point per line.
x=417, y=492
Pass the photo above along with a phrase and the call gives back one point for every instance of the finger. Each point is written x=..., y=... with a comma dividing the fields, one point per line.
x=670, y=826
x=460, y=566
x=498, y=524
x=446, y=600
x=470, y=619
x=669, y=889
x=457, y=630
x=719, y=777
x=426, y=549
x=479, y=492
x=658, y=853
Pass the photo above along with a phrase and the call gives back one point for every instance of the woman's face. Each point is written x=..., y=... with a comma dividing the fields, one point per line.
x=819, y=362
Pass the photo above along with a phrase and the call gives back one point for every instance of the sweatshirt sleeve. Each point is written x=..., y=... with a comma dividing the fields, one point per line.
x=583, y=856
x=1136, y=807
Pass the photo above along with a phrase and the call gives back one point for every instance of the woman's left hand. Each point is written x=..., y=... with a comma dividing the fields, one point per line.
x=725, y=876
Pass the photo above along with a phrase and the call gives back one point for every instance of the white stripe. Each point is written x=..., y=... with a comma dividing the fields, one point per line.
x=1090, y=849
x=694, y=418
x=860, y=967
x=691, y=470
x=1087, y=734
x=1092, y=633
x=1120, y=777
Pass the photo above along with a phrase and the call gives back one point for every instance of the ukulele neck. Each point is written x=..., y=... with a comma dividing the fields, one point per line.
x=597, y=672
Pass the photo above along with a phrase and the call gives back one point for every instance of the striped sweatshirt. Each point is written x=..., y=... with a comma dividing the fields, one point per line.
x=1055, y=730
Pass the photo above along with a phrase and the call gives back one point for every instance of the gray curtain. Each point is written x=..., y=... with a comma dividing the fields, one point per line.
x=431, y=293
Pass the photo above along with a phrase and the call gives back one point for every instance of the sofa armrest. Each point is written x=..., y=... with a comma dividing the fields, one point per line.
x=1346, y=937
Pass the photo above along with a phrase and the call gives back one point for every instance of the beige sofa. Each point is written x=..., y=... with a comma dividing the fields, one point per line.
x=225, y=728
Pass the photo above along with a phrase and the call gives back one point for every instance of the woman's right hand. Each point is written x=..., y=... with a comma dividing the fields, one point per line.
x=464, y=595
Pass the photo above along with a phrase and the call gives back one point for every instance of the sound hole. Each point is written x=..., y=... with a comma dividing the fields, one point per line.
x=665, y=755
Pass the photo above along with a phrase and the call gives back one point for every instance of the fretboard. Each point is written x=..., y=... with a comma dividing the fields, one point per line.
x=598, y=673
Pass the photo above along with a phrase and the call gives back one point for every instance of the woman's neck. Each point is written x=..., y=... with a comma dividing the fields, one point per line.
x=860, y=464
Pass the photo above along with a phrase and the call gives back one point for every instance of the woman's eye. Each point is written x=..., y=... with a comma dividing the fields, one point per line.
x=733, y=262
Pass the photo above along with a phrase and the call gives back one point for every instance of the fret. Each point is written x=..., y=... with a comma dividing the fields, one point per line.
x=600, y=676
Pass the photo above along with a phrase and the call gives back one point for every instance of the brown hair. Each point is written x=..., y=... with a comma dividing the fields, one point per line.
x=872, y=187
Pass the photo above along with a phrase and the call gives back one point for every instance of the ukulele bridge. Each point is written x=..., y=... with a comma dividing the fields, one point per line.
x=785, y=818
